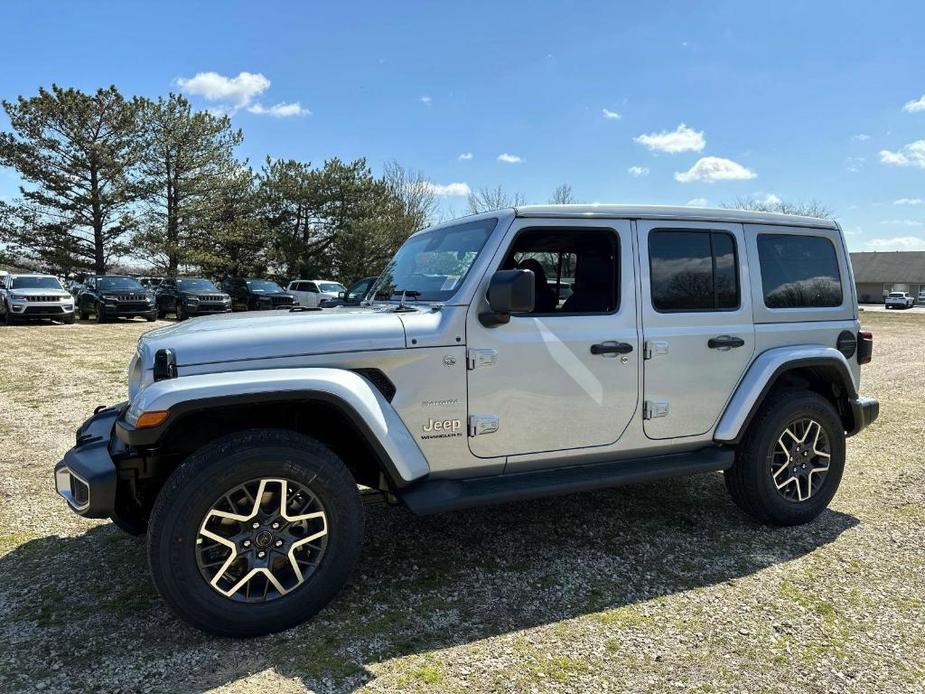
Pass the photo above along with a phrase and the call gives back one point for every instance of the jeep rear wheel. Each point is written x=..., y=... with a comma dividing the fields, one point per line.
x=789, y=465
x=255, y=533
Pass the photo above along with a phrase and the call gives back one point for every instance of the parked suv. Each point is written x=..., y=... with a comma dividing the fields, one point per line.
x=899, y=300
x=693, y=341
x=190, y=296
x=24, y=297
x=256, y=295
x=312, y=292
x=115, y=296
x=353, y=296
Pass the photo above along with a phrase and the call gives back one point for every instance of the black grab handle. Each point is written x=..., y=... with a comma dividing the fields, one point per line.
x=612, y=348
x=725, y=341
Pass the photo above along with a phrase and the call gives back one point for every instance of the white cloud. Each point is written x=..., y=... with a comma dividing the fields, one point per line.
x=638, y=171
x=898, y=243
x=509, y=158
x=712, y=169
x=912, y=154
x=909, y=201
x=915, y=105
x=426, y=100
x=902, y=222
x=697, y=202
x=238, y=91
x=610, y=115
x=465, y=156
x=681, y=139
x=770, y=199
x=280, y=110
x=450, y=190
x=860, y=137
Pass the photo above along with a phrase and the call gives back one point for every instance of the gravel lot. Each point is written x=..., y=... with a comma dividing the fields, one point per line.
x=658, y=587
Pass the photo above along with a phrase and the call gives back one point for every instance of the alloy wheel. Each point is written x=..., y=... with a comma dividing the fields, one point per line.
x=262, y=539
x=799, y=460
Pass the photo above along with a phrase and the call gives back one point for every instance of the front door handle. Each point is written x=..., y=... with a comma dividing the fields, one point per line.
x=612, y=348
x=725, y=342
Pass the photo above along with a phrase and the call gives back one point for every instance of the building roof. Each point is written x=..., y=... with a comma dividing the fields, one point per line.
x=667, y=212
x=889, y=266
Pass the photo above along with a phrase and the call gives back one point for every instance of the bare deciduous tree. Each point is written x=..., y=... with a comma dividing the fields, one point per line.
x=414, y=190
x=486, y=199
x=563, y=195
x=810, y=208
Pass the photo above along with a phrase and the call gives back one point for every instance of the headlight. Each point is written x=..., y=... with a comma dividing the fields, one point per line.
x=226, y=299
x=19, y=300
x=191, y=299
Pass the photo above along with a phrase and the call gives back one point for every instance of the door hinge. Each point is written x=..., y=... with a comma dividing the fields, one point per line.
x=480, y=424
x=652, y=409
x=654, y=348
x=480, y=358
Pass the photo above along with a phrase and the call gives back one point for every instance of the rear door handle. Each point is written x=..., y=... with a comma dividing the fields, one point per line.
x=725, y=342
x=612, y=348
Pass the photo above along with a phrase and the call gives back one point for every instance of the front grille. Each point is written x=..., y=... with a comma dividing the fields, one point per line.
x=37, y=299
x=132, y=297
x=211, y=297
x=282, y=301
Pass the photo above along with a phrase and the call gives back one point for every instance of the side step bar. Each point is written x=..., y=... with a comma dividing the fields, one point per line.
x=434, y=496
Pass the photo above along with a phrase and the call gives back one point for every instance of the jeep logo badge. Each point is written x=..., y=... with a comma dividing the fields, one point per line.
x=442, y=425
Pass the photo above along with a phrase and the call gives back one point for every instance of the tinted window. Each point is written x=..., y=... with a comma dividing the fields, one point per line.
x=798, y=271
x=693, y=271
x=105, y=283
x=197, y=285
x=35, y=283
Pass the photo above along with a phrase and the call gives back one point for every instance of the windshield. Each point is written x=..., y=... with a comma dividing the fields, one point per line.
x=331, y=287
x=895, y=294
x=198, y=285
x=358, y=290
x=263, y=286
x=119, y=283
x=35, y=283
x=432, y=265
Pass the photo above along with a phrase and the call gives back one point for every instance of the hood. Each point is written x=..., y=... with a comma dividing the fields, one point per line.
x=126, y=292
x=26, y=293
x=265, y=335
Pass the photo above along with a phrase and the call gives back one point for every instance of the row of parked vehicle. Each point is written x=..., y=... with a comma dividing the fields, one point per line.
x=107, y=297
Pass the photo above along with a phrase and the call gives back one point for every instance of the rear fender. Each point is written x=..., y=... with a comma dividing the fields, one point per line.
x=765, y=371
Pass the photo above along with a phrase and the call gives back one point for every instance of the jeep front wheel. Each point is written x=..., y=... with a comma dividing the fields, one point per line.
x=789, y=465
x=255, y=533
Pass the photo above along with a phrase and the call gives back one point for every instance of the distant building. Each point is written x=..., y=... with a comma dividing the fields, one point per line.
x=877, y=273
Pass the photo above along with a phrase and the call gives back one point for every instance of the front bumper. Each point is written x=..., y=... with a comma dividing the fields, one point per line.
x=129, y=309
x=205, y=309
x=864, y=411
x=43, y=309
x=86, y=476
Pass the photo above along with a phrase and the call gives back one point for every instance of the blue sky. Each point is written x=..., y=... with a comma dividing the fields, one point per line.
x=797, y=100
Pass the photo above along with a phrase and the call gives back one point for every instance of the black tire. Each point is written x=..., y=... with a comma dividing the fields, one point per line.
x=750, y=481
x=181, y=314
x=69, y=318
x=84, y=313
x=202, y=480
x=151, y=316
x=160, y=311
x=100, y=313
x=9, y=318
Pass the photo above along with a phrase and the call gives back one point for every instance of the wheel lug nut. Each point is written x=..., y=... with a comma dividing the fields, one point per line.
x=279, y=543
x=275, y=526
x=255, y=525
x=247, y=543
x=261, y=554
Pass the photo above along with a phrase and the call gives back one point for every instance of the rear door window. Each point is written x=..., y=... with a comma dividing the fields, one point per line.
x=799, y=271
x=693, y=270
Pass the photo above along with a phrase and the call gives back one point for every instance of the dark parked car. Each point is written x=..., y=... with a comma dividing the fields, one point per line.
x=114, y=296
x=256, y=294
x=190, y=296
x=353, y=296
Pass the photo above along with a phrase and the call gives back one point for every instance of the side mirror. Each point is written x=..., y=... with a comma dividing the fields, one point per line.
x=509, y=291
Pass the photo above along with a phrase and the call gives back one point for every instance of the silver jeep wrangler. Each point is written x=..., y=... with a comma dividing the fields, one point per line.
x=500, y=357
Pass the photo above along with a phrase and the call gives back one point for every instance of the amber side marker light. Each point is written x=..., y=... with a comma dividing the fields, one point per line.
x=151, y=419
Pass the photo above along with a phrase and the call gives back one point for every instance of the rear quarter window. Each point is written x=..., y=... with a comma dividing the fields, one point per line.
x=799, y=271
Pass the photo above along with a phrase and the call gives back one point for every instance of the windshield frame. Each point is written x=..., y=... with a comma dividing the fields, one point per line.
x=485, y=251
x=57, y=282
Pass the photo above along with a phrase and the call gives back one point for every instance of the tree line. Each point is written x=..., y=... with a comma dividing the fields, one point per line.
x=108, y=177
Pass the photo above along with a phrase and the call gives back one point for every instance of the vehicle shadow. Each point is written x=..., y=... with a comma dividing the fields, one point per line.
x=422, y=584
